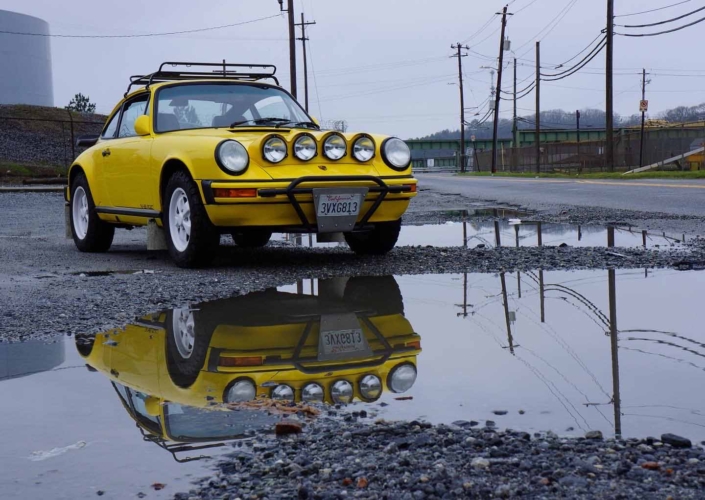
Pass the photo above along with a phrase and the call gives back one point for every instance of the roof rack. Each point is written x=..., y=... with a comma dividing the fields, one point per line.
x=224, y=71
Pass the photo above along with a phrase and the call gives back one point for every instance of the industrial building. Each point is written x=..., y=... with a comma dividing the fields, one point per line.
x=25, y=61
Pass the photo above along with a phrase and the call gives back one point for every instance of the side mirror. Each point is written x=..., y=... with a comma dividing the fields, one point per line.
x=142, y=125
x=152, y=406
x=315, y=120
x=86, y=141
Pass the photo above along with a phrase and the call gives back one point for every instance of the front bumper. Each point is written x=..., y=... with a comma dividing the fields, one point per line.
x=288, y=205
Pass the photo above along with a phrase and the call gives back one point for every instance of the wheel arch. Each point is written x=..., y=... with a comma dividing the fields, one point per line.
x=169, y=168
x=74, y=171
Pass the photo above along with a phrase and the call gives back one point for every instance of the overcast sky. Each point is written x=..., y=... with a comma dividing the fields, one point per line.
x=382, y=65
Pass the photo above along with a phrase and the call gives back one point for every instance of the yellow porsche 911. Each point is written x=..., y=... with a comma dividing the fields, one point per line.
x=208, y=149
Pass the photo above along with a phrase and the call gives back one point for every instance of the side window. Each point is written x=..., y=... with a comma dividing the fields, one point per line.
x=131, y=112
x=110, y=129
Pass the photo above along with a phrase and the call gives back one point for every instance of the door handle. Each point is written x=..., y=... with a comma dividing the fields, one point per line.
x=106, y=152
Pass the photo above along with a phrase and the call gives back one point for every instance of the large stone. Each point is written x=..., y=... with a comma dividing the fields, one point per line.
x=593, y=435
x=287, y=427
x=676, y=441
x=480, y=463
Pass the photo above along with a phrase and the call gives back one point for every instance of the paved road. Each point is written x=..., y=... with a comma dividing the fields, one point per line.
x=678, y=197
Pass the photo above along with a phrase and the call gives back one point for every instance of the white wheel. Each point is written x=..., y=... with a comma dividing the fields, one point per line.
x=184, y=331
x=180, y=220
x=79, y=206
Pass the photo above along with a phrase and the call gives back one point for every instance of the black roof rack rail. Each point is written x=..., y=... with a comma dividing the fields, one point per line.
x=222, y=70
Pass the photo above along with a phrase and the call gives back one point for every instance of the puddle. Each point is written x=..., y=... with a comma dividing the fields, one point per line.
x=532, y=351
x=101, y=274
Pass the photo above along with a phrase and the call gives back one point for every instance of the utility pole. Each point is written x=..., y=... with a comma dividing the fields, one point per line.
x=515, y=135
x=292, y=43
x=538, y=107
x=498, y=94
x=460, y=55
x=304, y=39
x=609, y=98
x=577, y=126
x=643, y=116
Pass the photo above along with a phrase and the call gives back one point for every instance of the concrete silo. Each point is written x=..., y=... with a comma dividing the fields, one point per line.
x=25, y=61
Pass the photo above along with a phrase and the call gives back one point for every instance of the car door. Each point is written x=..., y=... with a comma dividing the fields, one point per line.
x=127, y=169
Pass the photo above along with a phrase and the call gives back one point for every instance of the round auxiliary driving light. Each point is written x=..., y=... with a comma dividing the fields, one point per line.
x=305, y=148
x=342, y=392
x=370, y=387
x=396, y=153
x=232, y=157
x=312, y=393
x=364, y=149
x=334, y=147
x=240, y=391
x=401, y=378
x=283, y=393
x=274, y=149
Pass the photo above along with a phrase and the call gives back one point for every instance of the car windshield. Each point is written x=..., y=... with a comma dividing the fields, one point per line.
x=206, y=105
x=188, y=423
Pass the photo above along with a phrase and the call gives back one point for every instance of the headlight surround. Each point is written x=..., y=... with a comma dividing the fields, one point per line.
x=241, y=390
x=370, y=387
x=232, y=157
x=363, y=148
x=334, y=147
x=341, y=392
x=305, y=147
x=283, y=392
x=274, y=149
x=312, y=393
x=396, y=153
x=401, y=378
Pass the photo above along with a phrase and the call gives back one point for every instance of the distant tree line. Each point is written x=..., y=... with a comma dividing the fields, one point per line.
x=560, y=119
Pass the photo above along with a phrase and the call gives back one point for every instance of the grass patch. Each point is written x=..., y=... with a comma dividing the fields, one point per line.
x=15, y=170
x=668, y=174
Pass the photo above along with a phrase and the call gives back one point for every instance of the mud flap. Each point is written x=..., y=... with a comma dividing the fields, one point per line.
x=156, y=240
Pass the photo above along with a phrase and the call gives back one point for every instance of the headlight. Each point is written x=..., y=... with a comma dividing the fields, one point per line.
x=334, y=147
x=274, y=149
x=396, y=153
x=401, y=378
x=342, y=392
x=232, y=157
x=312, y=393
x=283, y=393
x=305, y=147
x=364, y=149
x=240, y=391
x=370, y=387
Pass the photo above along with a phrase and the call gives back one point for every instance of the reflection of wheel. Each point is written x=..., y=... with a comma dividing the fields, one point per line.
x=378, y=241
x=378, y=293
x=251, y=238
x=84, y=344
x=187, y=342
x=89, y=232
x=190, y=236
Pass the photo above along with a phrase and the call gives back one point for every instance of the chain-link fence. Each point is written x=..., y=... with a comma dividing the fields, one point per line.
x=38, y=143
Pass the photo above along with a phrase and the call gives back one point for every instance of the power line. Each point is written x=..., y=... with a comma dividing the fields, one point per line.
x=167, y=33
x=600, y=47
x=653, y=10
x=556, y=19
x=576, y=55
x=663, y=32
x=660, y=22
x=582, y=63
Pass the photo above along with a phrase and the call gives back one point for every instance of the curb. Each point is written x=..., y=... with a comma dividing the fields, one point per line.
x=32, y=189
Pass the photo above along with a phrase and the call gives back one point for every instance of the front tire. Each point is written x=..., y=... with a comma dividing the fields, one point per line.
x=379, y=241
x=187, y=341
x=251, y=238
x=89, y=232
x=190, y=236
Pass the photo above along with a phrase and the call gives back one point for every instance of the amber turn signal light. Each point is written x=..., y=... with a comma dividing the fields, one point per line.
x=235, y=193
x=250, y=361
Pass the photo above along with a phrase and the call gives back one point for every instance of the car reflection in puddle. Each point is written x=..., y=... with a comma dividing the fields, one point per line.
x=180, y=374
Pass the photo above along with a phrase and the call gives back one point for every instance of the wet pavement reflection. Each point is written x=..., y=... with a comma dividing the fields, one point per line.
x=616, y=351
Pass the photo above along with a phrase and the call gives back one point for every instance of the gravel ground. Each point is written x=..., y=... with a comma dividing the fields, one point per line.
x=415, y=460
x=45, y=288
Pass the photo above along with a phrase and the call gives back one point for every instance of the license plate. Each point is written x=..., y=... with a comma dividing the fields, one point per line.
x=343, y=342
x=339, y=205
x=341, y=338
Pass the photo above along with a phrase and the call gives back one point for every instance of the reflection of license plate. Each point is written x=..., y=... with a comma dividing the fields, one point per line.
x=343, y=342
x=332, y=205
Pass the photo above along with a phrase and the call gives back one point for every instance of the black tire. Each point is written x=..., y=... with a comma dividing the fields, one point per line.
x=84, y=344
x=380, y=294
x=99, y=235
x=184, y=370
x=377, y=241
x=204, y=239
x=251, y=238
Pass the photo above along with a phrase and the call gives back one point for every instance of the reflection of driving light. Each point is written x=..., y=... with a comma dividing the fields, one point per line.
x=240, y=391
x=342, y=392
x=401, y=378
x=312, y=393
x=283, y=393
x=370, y=387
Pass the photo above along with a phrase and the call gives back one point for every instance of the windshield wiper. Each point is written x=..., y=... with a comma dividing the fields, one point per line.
x=260, y=121
x=299, y=124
